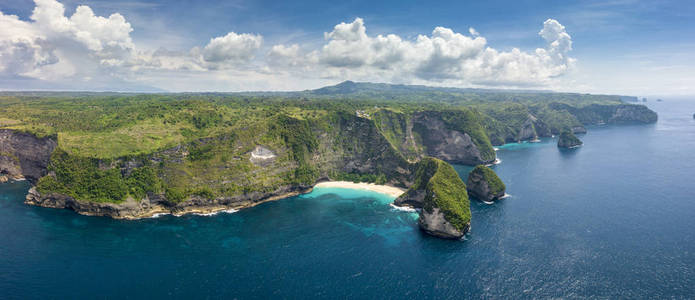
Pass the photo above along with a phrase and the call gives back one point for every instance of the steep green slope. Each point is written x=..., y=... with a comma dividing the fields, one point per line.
x=441, y=194
x=446, y=191
x=484, y=184
x=193, y=148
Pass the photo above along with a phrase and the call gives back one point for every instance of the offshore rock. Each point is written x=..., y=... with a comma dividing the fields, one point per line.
x=568, y=140
x=484, y=184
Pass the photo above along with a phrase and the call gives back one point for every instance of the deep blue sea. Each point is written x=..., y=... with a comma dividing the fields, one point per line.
x=614, y=218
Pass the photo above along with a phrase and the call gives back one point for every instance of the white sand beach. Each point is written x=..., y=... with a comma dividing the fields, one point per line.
x=384, y=189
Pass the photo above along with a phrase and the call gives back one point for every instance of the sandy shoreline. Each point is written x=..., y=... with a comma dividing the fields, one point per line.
x=383, y=189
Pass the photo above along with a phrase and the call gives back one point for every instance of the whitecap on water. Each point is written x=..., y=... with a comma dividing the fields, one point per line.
x=402, y=208
x=496, y=162
x=226, y=211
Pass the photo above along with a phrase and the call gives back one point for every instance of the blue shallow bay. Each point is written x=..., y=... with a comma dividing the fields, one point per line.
x=614, y=218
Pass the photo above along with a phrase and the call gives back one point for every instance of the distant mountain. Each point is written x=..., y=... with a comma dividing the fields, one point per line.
x=351, y=87
x=417, y=93
x=384, y=92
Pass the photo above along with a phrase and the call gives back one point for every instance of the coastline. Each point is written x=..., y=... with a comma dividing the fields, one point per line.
x=134, y=210
x=382, y=189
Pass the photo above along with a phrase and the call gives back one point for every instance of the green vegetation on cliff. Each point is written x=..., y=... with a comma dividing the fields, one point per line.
x=494, y=182
x=568, y=140
x=111, y=146
x=83, y=178
x=469, y=121
x=445, y=190
x=301, y=141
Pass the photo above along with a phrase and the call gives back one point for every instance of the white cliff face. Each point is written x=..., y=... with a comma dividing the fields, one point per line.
x=261, y=155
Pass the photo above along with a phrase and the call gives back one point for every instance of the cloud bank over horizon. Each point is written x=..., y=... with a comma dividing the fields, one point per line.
x=87, y=51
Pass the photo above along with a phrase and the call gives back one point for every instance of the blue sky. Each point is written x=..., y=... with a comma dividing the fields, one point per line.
x=620, y=46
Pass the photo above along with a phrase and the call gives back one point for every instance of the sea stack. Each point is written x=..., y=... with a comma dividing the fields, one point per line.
x=483, y=184
x=568, y=140
x=441, y=194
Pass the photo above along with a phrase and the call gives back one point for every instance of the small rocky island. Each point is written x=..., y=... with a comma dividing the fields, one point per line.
x=441, y=194
x=483, y=184
x=568, y=140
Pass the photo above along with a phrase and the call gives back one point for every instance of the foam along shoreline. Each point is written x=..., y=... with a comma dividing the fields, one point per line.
x=403, y=208
x=203, y=214
x=383, y=189
x=496, y=162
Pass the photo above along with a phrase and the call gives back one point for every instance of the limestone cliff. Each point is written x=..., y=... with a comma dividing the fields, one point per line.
x=633, y=114
x=444, y=137
x=596, y=114
x=351, y=145
x=154, y=204
x=23, y=155
x=456, y=136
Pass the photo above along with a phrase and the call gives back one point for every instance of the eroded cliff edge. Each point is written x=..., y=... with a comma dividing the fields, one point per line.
x=23, y=155
x=219, y=171
x=229, y=171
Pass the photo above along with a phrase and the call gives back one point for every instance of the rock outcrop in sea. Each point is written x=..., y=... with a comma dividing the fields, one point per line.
x=441, y=194
x=483, y=184
x=568, y=140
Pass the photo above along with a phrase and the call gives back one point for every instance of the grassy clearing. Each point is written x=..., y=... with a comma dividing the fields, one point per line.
x=142, y=138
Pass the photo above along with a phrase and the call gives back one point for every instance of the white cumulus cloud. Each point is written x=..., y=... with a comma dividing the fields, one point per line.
x=443, y=57
x=52, y=46
x=22, y=47
x=232, y=48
